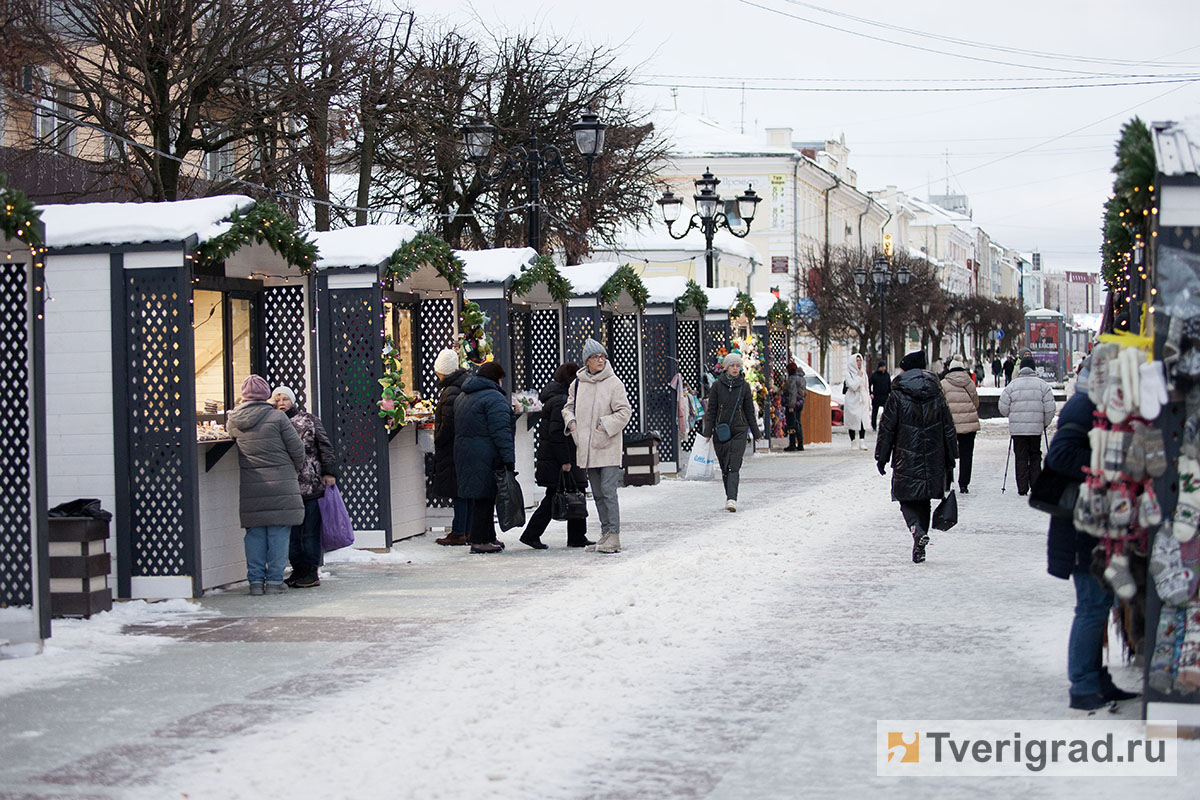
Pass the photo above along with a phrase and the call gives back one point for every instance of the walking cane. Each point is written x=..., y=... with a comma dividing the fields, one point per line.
x=1006, y=460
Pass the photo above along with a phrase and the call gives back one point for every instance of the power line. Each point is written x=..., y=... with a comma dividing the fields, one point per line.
x=772, y=79
x=910, y=89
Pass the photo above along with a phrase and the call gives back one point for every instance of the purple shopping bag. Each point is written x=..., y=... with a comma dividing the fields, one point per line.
x=336, y=530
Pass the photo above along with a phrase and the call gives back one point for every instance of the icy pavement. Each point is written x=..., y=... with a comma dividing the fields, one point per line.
x=720, y=655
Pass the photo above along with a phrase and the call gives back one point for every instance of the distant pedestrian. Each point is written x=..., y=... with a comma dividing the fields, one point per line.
x=880, y=386
x=963, y=400
x=857, y=401
x=596, y=413
x=731, y=402
x=555, y=458
x=270, y=456
x=1009, y=366
x=795, y=395
x=451, y=377
x=916, y=433
x=484, y=427
x=1028, y=402
x=997, y=370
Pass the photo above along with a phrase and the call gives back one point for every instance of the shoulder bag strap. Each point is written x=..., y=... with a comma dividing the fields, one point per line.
x=737, y=403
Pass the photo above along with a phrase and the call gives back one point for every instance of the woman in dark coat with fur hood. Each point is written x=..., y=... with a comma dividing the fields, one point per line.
x=916, y=433
x=555, y=457
x=445, y=482
x=484, y=426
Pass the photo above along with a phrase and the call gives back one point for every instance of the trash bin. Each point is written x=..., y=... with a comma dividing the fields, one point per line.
x=79, y=566
x=641, y=458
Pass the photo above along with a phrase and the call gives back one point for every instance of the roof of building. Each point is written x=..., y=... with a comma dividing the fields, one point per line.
x=691, y=136
x=362, y=246
x=136, y=223
x=588, y=278
x=633, y=240
x=1177, y=146
x=495, y=265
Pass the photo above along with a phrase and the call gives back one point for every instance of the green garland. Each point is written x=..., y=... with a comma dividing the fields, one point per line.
x=474, y=342
x=544, y=271
x=20, y=216
x=393, y=406
x=744, y=307
x=627, y=279
x=1126, y=213
x=425, y=248
x=693, y=296
x=780, y=314
x=264, y=223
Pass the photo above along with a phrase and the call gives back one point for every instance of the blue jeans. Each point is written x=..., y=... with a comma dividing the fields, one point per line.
x=267, y=552
x=1086, y=645
x=461, y=525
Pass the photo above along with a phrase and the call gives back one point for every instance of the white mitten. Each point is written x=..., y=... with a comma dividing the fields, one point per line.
x=1116, y=399
x=1153, y=394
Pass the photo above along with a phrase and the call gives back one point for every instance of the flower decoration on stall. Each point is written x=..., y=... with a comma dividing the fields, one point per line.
x=743, y=307
x=692, y=296
x=525, y=403
x=625, y=278
x=393, y=405
x=21, y=218
x=263, y=223
x=748, y=347
x=542, y=270
x=474, y=343
x=779, y=314
x=422, y=249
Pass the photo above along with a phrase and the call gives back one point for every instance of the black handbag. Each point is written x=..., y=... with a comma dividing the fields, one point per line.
x=1054, y=493
x=568, y=503
x=723, y=432
x=510, y=502
x=945, y=516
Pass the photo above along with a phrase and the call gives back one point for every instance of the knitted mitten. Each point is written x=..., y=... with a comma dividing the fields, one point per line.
x=1153, y=394
x=1119, y=577
x=1156, y=452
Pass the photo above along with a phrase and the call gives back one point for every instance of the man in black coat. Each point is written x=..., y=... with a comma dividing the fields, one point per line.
x=1069, y=556
x=917, y=435
x=997, y=369
x=1010, y=364
x=880, y=385
x=555, y=458
x=445, y=483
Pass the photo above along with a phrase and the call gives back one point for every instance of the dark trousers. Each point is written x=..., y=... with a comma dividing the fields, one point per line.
x=875, y=414
x=483, y=528
x=916, y=513
x=729, y=456
x=576, y=528
x=795, y=429
x=461, y=524
x=304, y=548
x=1027, y=452
x=966, y=455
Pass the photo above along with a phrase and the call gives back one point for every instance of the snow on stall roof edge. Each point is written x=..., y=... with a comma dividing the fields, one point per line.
x=495, y=265
x=72, y=225
x=665, y=288
x=588, y=278
x=362, y=246
x=721, y=298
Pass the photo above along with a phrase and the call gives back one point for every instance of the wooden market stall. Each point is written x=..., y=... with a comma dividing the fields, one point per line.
x=383, y=292
x=157, y=313
x=672, y=346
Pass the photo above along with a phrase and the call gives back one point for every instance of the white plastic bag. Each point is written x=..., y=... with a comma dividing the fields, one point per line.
x=703, y=462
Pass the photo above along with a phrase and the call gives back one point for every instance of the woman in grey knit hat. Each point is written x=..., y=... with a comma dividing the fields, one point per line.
x=731, y=403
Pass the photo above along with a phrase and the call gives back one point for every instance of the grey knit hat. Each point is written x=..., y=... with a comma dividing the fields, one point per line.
x=286, y=392
x=593, y=348
x=733, y=358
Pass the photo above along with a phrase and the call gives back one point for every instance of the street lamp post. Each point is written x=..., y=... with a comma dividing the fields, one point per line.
x=881, y=278
x=535, y=160
x=707, y=217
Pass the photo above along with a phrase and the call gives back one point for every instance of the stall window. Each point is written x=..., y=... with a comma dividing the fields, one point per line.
x=398, y=321
x=224, y=332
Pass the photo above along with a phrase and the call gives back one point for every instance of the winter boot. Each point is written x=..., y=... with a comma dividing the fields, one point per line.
x=1110, y=692
x=304, y=578
x=453, y=540
x=486, y=547
x=920, y=542
x=275, y=588
x=257, y=589
x=534, y=541
x=611, y=545
x=582, y=541
x=1087, y=704
x=731, y=505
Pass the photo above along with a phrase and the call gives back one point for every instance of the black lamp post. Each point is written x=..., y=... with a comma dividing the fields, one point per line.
x=881, y=277
x=535, y=160
x=708, y=218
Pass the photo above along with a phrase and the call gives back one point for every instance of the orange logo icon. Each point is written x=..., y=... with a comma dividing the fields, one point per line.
x=905, y=745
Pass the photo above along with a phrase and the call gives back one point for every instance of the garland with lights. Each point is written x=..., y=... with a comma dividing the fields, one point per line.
x=779, y=314
x=1127, y=216
x=422, y=249
x=743, y=307
x=393, y=405
x=264, y=223
x=693, y=296
x=20, y=216
x=544, y=271
x=475, y=343
x=625, y=278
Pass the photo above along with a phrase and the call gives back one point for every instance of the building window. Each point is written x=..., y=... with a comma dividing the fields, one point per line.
x=399, y=320
x=52, y=124
x=225, y=342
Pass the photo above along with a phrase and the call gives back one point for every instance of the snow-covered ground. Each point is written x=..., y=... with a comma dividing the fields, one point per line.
x=720, y=655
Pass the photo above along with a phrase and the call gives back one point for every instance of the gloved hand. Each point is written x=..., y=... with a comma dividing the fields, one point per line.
x=880, y=465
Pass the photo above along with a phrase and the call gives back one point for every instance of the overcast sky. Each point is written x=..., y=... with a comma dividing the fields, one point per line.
x=1048, y=198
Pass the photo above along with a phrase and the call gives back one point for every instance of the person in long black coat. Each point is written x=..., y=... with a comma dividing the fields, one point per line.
x=731, y=401
x=555, y=457
x=916, y=433
x=880, y=384
x=484, y=427
x=445, y=481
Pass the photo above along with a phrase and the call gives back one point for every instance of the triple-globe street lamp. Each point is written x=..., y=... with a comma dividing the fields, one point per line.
x=708, y=218
x=881, y=278
x=536, y=160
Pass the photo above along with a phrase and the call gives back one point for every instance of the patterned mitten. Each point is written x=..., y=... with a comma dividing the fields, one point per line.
x=1099, y=510
x=1164, y=556
x=1156, y=452
x=1187, y=676
x=1165, y=658
x=1191, y=437
x=1153, y=394
x=1119, y=577
x=1120, y=508
x=1149, y=509
x=1135, y=456
x=1083, y=518
x=1114, y=454
x=1116, y=401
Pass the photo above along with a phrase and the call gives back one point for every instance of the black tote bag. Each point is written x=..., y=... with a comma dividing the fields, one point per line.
x=945, y=516
x=568, y=503
x=510, y=503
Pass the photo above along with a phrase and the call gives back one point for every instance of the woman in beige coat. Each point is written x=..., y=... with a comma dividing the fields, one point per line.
x=964, y=407
x=595, y=414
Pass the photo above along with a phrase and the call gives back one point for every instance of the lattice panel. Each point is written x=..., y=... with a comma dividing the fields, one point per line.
x=16, y=507
x=430, y=500
x=716, y=337
x=355, y=371
x=436, y=330
x=687, y=347
x=622, y=349
x=777, y=345
x=658, y=354
x=581, y=326
x=519, y=323
x=159, y=409
x=544, y=334
x=284, y=335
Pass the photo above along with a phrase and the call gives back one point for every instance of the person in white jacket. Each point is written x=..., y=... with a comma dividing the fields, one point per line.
x=1028, y=402
x=856, y=405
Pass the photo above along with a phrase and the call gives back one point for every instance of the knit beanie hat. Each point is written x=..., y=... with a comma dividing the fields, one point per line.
x=446, y=362
x=286, y=392
x=593, y=348
x=880, y=364
x=255, y=388
x=956, y=364
x=733, y=358
x=914, y=360
x=1028, y=361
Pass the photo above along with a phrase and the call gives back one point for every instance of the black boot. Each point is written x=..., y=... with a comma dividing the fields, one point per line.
x=920, y=540
x=533, y=541
x=1110, y=692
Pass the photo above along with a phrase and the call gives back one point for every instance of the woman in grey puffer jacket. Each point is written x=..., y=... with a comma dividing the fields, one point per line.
x=271, y=456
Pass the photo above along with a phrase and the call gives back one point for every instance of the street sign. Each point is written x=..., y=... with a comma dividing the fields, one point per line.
x=997, y=334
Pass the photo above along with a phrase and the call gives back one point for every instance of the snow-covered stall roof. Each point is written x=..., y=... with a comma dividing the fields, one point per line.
x=137, y=223
x=588, y=278
x=496, y=265
x=763, y=302
x=1177, y=147
x=363, y=246
x=1043, y=312
x=721, y=298
x=665, y=288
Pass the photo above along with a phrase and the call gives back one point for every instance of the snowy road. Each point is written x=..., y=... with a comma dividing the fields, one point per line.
x=722, y=656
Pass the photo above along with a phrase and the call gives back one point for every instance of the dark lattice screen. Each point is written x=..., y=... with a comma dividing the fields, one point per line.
x=658, y=354
x=581, y=326
x=16, y=507
x=716, y=337
x=519, y=322
x=687, y=346
x=777, y=345
x=623, y=355
x=284, y=334
x=160, y=409
x=437, y=326
x=544, y=334
x=354, y=373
